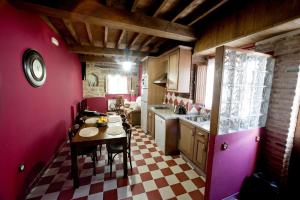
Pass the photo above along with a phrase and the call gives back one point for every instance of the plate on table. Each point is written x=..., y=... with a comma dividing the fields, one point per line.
x=114, y=118
x=92, y=120
x=88, y=132
x=115, y=130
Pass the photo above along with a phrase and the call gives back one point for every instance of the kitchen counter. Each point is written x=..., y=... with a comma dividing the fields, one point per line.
x=202, y=125
x=164, y=113
x=167, y=114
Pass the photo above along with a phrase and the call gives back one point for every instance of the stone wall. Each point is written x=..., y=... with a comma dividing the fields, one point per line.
x=95, y=83
x=284, y=102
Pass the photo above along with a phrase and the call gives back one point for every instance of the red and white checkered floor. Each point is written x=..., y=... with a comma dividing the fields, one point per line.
x=154, y=176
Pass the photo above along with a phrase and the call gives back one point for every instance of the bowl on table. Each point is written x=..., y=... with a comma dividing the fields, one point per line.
x=102, y=121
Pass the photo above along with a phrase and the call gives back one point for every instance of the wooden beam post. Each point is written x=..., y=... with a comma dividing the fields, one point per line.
x=89, y=32
x=120, y=39
x=208, y=12
x=105, y=36
x=71, y=29
x=95, y=13
x=191, y=6
x=88, y=50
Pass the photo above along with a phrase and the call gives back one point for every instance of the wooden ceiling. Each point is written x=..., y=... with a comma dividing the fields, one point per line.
x=107, y=30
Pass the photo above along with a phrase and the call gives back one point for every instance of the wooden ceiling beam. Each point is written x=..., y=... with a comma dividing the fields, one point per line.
x=95, y=13
x=120, y=39
x=91, y=58
x=45, y=18
x=208, y=12
x=89, y=32
x=134, y=40
x=160, y=7
x=105, y=36
x=191, y=6
x=146, y=42
x=88, y=50
x=158, y=44
x=71, y=29
x=134, y=5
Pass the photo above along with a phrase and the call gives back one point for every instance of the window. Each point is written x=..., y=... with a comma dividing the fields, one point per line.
x=209, y=83
x=116, y=84
x=204, y=84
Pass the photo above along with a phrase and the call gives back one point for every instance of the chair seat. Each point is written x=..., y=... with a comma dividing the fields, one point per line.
x=115, y=147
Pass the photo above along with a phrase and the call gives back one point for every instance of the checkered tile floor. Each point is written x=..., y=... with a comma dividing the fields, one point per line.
x=154, y=176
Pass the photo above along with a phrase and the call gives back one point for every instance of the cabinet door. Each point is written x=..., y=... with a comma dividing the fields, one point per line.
x=160, y=132
x=152, y=128
x=149, y=122
x=200, y=152
x=186, y=139
x=173, y=70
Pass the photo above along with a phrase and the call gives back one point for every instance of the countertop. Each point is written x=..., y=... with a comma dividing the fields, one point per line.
x=167, y=114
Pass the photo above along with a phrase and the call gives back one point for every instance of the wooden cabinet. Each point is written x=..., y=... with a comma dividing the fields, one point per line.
x=151, y=124
x=193, y=143
x=173, y=70
x=200, y=149
x=186, y=139
x=179, y=69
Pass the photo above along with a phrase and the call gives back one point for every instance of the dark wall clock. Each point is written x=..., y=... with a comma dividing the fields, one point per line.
x=34, y=68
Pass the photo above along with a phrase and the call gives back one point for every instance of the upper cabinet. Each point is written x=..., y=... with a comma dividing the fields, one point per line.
x=179, y=69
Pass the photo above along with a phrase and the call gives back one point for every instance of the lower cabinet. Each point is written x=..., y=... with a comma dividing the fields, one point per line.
x=151, y=124
x=193, y=143
x=186, y=139
x=200, y=149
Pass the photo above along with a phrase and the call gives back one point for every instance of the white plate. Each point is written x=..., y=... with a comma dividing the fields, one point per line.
x=92, y=120
x=114, y=118
x=88, y=132
x=115, y=130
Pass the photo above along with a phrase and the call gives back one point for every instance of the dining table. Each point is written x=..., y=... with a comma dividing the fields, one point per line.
x=103, y=136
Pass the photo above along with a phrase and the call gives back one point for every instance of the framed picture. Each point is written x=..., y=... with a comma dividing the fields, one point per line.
x=34, y=68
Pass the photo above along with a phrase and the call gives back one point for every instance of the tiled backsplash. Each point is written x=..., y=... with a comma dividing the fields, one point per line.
x=174, y=99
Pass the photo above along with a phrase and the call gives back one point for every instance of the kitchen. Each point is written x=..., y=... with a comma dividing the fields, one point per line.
x=203, y=97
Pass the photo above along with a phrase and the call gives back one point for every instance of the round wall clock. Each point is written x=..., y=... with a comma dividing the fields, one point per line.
x=34, y=68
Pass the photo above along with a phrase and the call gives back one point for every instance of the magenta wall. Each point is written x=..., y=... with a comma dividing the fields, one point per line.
x=226, y=170
x=33, y=121
x=100, y=103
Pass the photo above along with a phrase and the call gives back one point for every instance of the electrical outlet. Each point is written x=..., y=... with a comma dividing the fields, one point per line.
x=21, y=168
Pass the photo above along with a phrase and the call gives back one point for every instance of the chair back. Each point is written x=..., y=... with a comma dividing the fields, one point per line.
x=127, y=128
x=119, y=101
x=72, y=131
x=123, y=117
x=70, y=134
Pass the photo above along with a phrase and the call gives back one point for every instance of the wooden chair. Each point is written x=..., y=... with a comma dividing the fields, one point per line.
x=124, y=118
x=119, y=104
x=116, y=148
x=89, y=151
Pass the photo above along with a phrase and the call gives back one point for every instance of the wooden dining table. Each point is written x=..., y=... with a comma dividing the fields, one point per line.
x=79, y=142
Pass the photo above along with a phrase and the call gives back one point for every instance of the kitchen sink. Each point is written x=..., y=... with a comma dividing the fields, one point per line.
x=161, y=107
x=197, y=118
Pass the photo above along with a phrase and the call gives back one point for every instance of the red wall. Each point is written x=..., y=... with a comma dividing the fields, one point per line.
x=33, y=121
x=100, y=103
x=226, y=170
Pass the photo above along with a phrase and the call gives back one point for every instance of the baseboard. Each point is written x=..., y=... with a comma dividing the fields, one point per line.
x=39, y=174
x=195, y=167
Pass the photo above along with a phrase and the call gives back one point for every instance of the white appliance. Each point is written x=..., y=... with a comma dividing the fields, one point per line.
x=144, y=102
x=160, y=133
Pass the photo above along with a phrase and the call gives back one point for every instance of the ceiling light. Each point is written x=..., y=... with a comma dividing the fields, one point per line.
x=127, y=65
